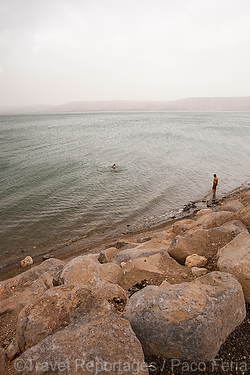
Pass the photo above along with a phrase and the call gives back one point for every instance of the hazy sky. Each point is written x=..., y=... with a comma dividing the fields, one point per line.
x=56, y=51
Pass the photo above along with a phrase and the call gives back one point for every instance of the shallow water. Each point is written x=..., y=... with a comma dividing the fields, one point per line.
x=57, y=184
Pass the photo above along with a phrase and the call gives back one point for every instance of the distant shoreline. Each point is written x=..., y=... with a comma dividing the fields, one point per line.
x=238, y=104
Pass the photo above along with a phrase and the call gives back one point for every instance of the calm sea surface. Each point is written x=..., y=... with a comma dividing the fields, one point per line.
x=57, y=184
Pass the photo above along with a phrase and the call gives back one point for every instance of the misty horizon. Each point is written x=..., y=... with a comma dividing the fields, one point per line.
x=126, y=100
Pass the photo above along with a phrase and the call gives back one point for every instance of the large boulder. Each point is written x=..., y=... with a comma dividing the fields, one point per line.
x=17, y=301
x=245, y=197
x=204, y=242
x=244, y=216
x=233, y=206
x=235, y=226
x=181, y=226
x=205, y=218
x=214, y=219
x=165, y=235
x=102, y=345
x=27, y=287
x=86, y=270
x=155, y=243
x=52, y=312
x=235, y=259
x=202, y=212
x=184, y=245
x=188, y=320
x=22, y=290
x=25, y=280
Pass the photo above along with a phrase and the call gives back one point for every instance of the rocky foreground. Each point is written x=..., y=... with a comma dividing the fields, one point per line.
x=165, y=303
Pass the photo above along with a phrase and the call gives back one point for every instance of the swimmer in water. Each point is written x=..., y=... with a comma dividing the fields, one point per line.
x=113, y=166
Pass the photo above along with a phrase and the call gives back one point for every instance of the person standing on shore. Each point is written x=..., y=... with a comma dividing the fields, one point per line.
x=215, y=183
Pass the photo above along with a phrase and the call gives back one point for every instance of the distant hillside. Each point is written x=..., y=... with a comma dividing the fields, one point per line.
x=189, y=104
x=211, y=104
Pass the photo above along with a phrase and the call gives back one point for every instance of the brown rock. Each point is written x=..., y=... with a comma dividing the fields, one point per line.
x=189, y=320
x=127, y=255
x=108, y=255
x=195, y=260
x=22, y=296
x=181, y=226
x=195, y=242
x=83, y=270
x=165, y=235
x=164, y=284
x=52, y=312
x=140, y=269
x=26, y=279
x=234, y=226
x=155, y=268
x=245, y=198
x=27, y=287
x=155, y=243
x=219, y=218
x=244, y=216
x=198, y=271
x=145, y=249
x=103, y=345
x=208, y=219
x=28, y=261
x=204, y=211
x=234, y=258
x=203, y=241
x=233, y=206
x=108, y=291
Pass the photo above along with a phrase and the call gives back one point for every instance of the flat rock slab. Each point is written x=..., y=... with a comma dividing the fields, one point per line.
x=154, y=269
x=145, y=249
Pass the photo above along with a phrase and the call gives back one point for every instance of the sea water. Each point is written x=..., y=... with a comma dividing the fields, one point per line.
x=57, y=184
